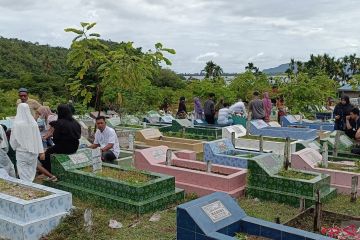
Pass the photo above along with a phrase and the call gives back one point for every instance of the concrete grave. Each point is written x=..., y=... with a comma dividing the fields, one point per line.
x=259, y=127
x=291, y=121
x=310, y=160
x=269, y=181
x=239, y=131
x=114, y=186
x=192, y=175
x=218, y=217
x=223, y=152
x=29, y=216
x=153, y=137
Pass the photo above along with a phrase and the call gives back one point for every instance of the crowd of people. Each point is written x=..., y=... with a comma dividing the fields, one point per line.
x=38, y=133
x=222, y=112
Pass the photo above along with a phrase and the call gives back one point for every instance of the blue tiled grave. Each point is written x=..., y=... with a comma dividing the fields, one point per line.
x=223, y=152
x=291, y=121
x=259, y=127
x=218, y=217
x=23, y=219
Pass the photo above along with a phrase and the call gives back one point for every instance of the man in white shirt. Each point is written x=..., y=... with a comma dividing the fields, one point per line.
x=224, y=115
x=238, y=108
x=106, y=139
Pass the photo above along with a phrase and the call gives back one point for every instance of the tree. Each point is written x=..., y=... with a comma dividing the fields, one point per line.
x=251, y=67
x=168, y=78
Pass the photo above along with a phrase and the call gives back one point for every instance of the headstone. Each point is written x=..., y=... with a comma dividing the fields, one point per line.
x=144, y=124
x=354, y=187
x=96, y=160
x=199, y=121
x=208, y=166
x=259, y=124
x=167, y=119
x=113, y=122
x=325, y=155
x=168, y=157
x=261, y=144
x=291, y=119
x=131, y=141
x=151, y=133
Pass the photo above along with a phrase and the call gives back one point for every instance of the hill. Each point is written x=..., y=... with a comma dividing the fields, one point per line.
x=276, y=70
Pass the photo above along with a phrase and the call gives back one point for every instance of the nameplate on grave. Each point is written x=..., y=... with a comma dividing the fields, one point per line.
x=167, y=119
x=158, y=154
x=199, y=121
x=313, y=145
x=96, y=159
x=259, y=124
x=291, y=118
x=216, y=211
x=114, y=121
x=346, y=141
x=311, y=157
x=151, y=133
x=183, y=122
x=79, y=158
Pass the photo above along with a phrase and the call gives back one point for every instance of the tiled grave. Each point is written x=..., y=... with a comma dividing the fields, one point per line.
x=218, y=217
x=192, y=175
x=223, y=152
x=259, y=127
x=291, y=121
x=29, y=216
x=113, y=186
x=184, y=125
x=310, y=160
x=267, y=180
x=153, y=137
x=345, y=143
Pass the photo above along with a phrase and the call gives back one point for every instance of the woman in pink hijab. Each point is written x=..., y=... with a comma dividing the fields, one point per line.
x=267, y=106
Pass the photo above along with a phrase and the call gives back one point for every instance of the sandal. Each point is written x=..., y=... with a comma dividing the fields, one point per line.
x=52, y=179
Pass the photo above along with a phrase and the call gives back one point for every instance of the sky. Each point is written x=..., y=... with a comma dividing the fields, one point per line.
x=229, y=32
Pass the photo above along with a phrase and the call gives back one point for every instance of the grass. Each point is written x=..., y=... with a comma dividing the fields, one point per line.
x=342, y=167
x=73, y=226
x=22, y=192
x=295, y=174
x=130, y=176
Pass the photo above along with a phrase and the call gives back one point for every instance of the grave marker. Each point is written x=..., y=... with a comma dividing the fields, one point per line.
x=96, y=160
x=325, y=155
x=354, y=187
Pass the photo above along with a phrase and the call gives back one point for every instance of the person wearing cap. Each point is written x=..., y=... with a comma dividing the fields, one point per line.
x=24, y=98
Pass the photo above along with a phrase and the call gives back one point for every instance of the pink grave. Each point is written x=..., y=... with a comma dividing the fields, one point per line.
x=191, y=175
x=309, y=159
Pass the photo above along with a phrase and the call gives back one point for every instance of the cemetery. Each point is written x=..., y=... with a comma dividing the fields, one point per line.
x=131, y=190
x=292, y=121
x=153, y=137
x=193, y=176
x=28, y=210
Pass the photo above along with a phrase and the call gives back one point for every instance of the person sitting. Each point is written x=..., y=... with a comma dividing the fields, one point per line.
x=66, y=135
x=5, y=162
x=25, y=139
x=353, y=124
x=238, y=108
x=224, y=115
x=44, y=117
x=106, y=139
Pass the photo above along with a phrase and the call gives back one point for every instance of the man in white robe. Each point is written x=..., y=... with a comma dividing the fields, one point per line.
x=5, y=162
x=26, y=140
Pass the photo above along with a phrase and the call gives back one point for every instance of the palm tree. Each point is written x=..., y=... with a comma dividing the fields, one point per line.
x=250, y=66
x=209, y=69
x=218, y=71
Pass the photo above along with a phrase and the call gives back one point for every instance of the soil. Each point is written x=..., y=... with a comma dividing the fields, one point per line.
x=22, y=192
x=130, y=176
x=201, y=170
x=305, y=221
x=243, y=236
x=295, y=174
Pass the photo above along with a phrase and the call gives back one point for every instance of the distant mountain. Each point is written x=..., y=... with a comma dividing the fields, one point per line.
x=277, y=70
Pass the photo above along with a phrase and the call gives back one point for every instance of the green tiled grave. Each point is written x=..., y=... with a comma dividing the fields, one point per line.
x=264, y=182
x=156, y=192
x=181, y=125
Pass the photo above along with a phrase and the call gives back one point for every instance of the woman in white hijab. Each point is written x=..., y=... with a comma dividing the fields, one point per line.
x=5, y=162
x=25, y=139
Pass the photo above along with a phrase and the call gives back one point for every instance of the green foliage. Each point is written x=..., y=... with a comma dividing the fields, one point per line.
x=167, y=78
x=246, y=83
x=212, y=70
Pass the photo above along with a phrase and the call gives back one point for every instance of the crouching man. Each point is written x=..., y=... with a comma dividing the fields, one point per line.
x=106, y=139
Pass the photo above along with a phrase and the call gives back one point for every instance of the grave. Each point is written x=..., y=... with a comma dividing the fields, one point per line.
x=8, y=122
x=153, y=137
x=219, y=217
x=187, y=128
x=152, y=117
x=345, y=143
x=259, y=127
x=291, y=121
x=269, y=181
x=222, y=152
x=341, y=176
x=191, y=175
x=29, y=211
x=111, y=185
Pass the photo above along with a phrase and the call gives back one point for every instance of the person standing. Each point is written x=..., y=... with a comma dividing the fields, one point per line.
x=342, y=109
x=66, y=135
x=106, y=139
x=5, y=162
x=256, y=107
x=280, y=106
x=209, y=109
x=267, y=106
x=198, y=110
x=181, y=113
x=25, y=139
x=24, y=98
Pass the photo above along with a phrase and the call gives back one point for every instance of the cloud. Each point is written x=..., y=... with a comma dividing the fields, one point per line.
x=268, y=33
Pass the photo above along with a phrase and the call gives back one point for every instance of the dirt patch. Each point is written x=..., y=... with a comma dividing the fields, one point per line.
x=295, y=174
x=22, y=192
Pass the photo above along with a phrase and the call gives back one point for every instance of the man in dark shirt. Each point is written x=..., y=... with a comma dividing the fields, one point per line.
x=209, y=109
x=256, y=107
x=353, y=124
